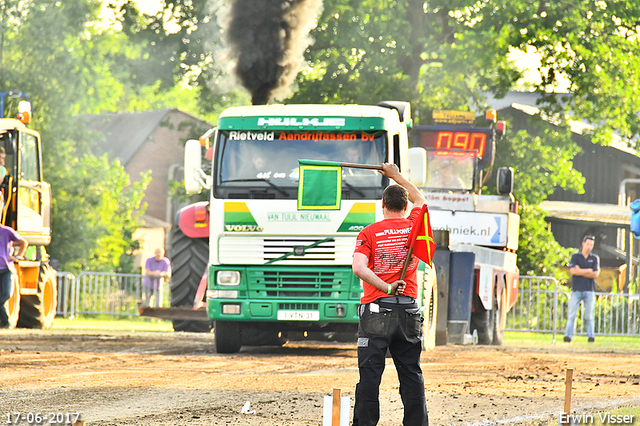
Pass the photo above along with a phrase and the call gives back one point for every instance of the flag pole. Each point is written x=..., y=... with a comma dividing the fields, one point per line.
x=406, y=263
x=361, y=166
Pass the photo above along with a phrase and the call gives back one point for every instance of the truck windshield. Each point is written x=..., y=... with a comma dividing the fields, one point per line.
x=451, y=170
x=264, y=164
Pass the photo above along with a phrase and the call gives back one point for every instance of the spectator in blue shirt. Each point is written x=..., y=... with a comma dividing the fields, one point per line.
x=584, y=268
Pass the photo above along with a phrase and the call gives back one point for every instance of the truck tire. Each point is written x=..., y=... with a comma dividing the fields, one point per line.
x=487, y=323
x=500, y=318
x=39, y=310
x=227, y=336
x=430, y=313
x=482, y=323
x=189, y=258
x=259, y=337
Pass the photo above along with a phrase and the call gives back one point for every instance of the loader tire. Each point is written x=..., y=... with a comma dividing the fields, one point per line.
x=189, y=258
x=12, y=305
x=39, y=310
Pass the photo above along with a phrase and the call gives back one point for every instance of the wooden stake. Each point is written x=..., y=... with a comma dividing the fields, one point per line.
x=567, y=394
x=335, y=418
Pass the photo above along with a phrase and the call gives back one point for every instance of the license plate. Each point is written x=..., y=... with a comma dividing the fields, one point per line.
x=298, y=316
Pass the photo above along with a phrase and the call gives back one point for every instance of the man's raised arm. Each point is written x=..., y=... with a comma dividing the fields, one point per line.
x=391, y=171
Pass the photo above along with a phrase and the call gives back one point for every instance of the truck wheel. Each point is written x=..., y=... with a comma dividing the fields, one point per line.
x=189, y=258
x=12, y=305
x=483, y=321
x=258, y=337
x=39, y=310
x=227, y=336
x=500, y=318
x=488, y=322
x=430, y=313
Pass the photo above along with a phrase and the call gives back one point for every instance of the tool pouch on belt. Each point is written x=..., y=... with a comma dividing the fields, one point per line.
x=413, y=321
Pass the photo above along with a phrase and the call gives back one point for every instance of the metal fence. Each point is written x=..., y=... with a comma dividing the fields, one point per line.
x=99, y=293
x=542, y=306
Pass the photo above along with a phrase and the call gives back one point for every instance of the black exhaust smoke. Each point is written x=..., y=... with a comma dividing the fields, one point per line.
x=267, y=40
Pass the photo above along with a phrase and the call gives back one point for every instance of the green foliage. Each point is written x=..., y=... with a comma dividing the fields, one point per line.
x=97, y=211
x=53, y=51
x=538, y=252
x=542, y=161
x=439, y=54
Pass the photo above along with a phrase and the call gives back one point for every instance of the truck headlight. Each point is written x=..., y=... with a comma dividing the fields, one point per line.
x=228, y=278
x=222, y=294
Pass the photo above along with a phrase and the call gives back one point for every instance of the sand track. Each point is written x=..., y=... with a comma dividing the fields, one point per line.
x=117, y=378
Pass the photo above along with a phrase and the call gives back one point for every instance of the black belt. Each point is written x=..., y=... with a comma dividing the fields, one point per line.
x=396, y=300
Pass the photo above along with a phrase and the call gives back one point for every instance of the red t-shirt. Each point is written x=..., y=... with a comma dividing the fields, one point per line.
x=384, y=245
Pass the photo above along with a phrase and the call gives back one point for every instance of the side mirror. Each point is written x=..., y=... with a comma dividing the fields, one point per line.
x=192, y=167
x=417, y=167
x=504, y=182
x=635, y=218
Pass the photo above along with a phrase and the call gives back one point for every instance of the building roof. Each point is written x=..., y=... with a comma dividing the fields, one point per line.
x=528, y=102
x=125, y=133
x=587, y=213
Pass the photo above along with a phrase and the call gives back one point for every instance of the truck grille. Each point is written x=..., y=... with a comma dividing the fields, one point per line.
x=257, y=250
x=298, y=306
x=303, y=283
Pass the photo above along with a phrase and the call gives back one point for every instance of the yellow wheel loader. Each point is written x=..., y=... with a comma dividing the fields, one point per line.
x=25, y=202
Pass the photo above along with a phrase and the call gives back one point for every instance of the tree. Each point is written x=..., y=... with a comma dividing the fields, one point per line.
x=442, y=54
x=446, y=55
x=542, y=161
x=53, y=51
x=177, y=47
x=101, y=208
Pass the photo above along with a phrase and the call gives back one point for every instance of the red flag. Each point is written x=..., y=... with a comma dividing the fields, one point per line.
x=421, y=237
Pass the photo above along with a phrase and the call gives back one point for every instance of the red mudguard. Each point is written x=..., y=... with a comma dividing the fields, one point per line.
x=194, y=220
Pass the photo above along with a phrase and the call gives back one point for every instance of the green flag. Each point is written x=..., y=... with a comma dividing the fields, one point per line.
x=319, y=185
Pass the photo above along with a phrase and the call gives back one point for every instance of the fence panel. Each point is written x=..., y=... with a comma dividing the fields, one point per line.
x=65, y=282
x=107, y=293
x=542, y=306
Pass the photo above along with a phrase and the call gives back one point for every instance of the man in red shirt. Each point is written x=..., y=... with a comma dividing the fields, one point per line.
x=389, y=315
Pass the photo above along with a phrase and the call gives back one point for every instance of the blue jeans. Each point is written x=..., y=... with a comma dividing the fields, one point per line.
x=589, y=299
x=6, y=289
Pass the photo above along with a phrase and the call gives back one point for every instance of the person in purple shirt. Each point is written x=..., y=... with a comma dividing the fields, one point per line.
x=8, y=237
x=156, y=269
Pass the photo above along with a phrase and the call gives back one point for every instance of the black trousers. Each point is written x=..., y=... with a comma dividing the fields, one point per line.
x=396, y=327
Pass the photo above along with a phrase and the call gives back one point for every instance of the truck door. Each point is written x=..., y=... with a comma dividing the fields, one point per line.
x=34, y=195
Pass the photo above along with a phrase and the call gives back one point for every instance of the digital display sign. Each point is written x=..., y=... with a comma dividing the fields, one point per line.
x=464, y=141
x=450, y=138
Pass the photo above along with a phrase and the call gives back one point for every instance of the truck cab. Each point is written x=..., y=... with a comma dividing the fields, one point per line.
x=477, y=234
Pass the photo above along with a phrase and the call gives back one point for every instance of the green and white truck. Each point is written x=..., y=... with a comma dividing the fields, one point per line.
x=275, y=272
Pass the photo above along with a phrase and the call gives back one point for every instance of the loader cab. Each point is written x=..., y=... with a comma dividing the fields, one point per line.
x=26, y=199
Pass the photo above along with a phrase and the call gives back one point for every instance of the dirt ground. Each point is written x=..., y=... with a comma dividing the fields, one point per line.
x=144, y=378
